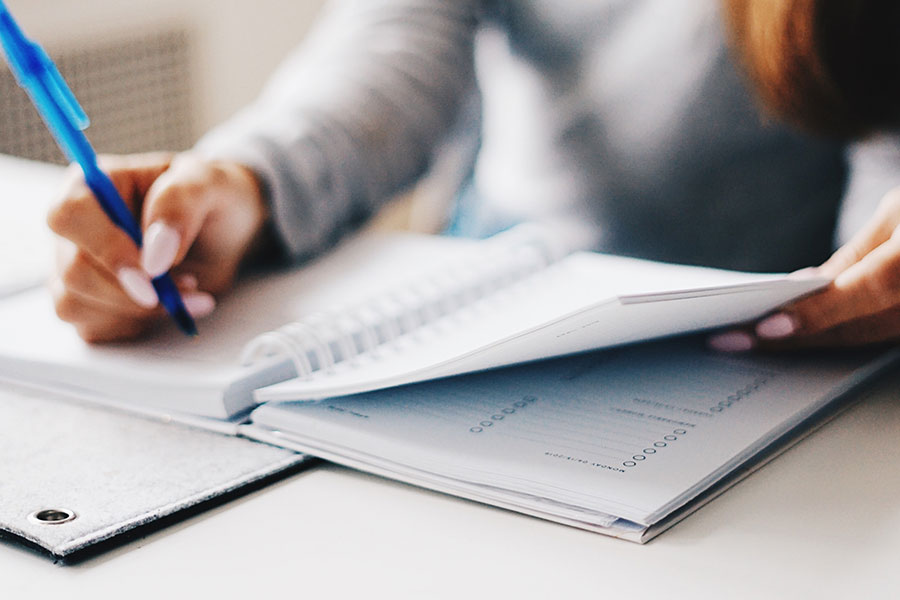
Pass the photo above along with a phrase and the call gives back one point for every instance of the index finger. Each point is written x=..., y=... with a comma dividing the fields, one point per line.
x=865, y=288
x=79, y=218
x=874, y=233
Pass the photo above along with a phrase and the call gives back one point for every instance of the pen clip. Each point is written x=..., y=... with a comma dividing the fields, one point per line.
x=29, y=62
x=60, y=90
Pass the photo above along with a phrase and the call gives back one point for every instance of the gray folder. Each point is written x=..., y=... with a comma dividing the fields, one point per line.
x=74, y=477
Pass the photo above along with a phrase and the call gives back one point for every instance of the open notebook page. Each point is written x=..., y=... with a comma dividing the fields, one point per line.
x=630, y=433
x=203, y=376
x=26, y=244
x=581, y=302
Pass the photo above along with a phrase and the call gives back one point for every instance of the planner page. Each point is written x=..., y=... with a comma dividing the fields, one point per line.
x=631, y=433
x=582, y=302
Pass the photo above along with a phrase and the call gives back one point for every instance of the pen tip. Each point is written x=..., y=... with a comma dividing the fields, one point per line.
x=185, y=323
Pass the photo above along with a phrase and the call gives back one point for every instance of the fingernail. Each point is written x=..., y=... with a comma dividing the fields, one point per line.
x=137, y=285
x=199, y=304
x=777, y=326
x=844, y=279
x=188, y=282
x=731, y=341
x=160, y=247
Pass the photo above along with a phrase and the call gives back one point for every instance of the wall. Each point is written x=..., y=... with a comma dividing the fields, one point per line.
x=237, y=43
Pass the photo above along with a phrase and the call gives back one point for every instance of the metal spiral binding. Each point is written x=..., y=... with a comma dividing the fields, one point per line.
x=311, y=342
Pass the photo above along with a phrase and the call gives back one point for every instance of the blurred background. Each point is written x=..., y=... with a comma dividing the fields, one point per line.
x=151, y=74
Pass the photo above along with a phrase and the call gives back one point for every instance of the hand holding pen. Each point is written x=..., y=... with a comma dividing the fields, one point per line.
x=200, y=216
x=201, y=219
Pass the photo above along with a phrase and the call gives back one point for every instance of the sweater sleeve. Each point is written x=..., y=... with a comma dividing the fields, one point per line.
x=354, y=114
x=874, y=170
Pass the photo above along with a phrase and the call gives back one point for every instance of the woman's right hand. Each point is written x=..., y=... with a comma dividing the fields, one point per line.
x=200, y=219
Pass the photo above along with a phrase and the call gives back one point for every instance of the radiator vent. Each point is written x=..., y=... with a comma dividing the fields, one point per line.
x=136, y=92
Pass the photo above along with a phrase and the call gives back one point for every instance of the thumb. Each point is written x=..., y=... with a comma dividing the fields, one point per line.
x=175, y=208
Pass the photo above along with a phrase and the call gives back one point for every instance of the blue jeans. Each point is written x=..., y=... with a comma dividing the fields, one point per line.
x=470, y=219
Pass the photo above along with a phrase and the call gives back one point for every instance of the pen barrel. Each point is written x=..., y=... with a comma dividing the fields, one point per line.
x=75, y=145
x=172, y=302
x=110, y=200
x=66, y=120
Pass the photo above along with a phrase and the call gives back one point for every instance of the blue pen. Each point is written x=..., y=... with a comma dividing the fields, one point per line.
x=66, y=120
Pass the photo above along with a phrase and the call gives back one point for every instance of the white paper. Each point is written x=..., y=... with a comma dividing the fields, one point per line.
x=585, y=301
x=26, y=244
x=203, y=376
x=631, y=433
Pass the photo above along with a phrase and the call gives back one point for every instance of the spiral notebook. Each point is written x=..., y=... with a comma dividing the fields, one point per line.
x=383, y=311
x=623, y=441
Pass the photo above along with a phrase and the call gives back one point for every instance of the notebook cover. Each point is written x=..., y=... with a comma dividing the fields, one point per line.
x=116, y=473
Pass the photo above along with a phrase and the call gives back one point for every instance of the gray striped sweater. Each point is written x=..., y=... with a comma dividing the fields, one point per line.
x=627, y=121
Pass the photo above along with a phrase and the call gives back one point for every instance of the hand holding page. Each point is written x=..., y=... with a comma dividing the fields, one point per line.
x=517, y=303
x=418, y=307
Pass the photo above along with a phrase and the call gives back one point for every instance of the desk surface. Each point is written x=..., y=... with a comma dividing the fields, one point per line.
x=821, y=520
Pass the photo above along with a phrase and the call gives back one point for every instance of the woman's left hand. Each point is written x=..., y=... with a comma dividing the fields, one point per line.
x=861, y=306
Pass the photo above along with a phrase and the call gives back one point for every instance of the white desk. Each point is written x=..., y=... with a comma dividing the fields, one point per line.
x=823, y=521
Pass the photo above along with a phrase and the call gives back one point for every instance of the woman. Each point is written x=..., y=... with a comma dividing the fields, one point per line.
x=629, y=123
x=829, y=67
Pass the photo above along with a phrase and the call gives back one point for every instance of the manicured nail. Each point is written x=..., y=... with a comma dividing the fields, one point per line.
x=731, y=341
x=779, y=325
x=199, y=304
x=845, y=279
x=160, y=247
x=137, y=285
x=188, y=282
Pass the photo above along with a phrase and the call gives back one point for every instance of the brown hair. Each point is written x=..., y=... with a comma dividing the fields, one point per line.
x=828, y=66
